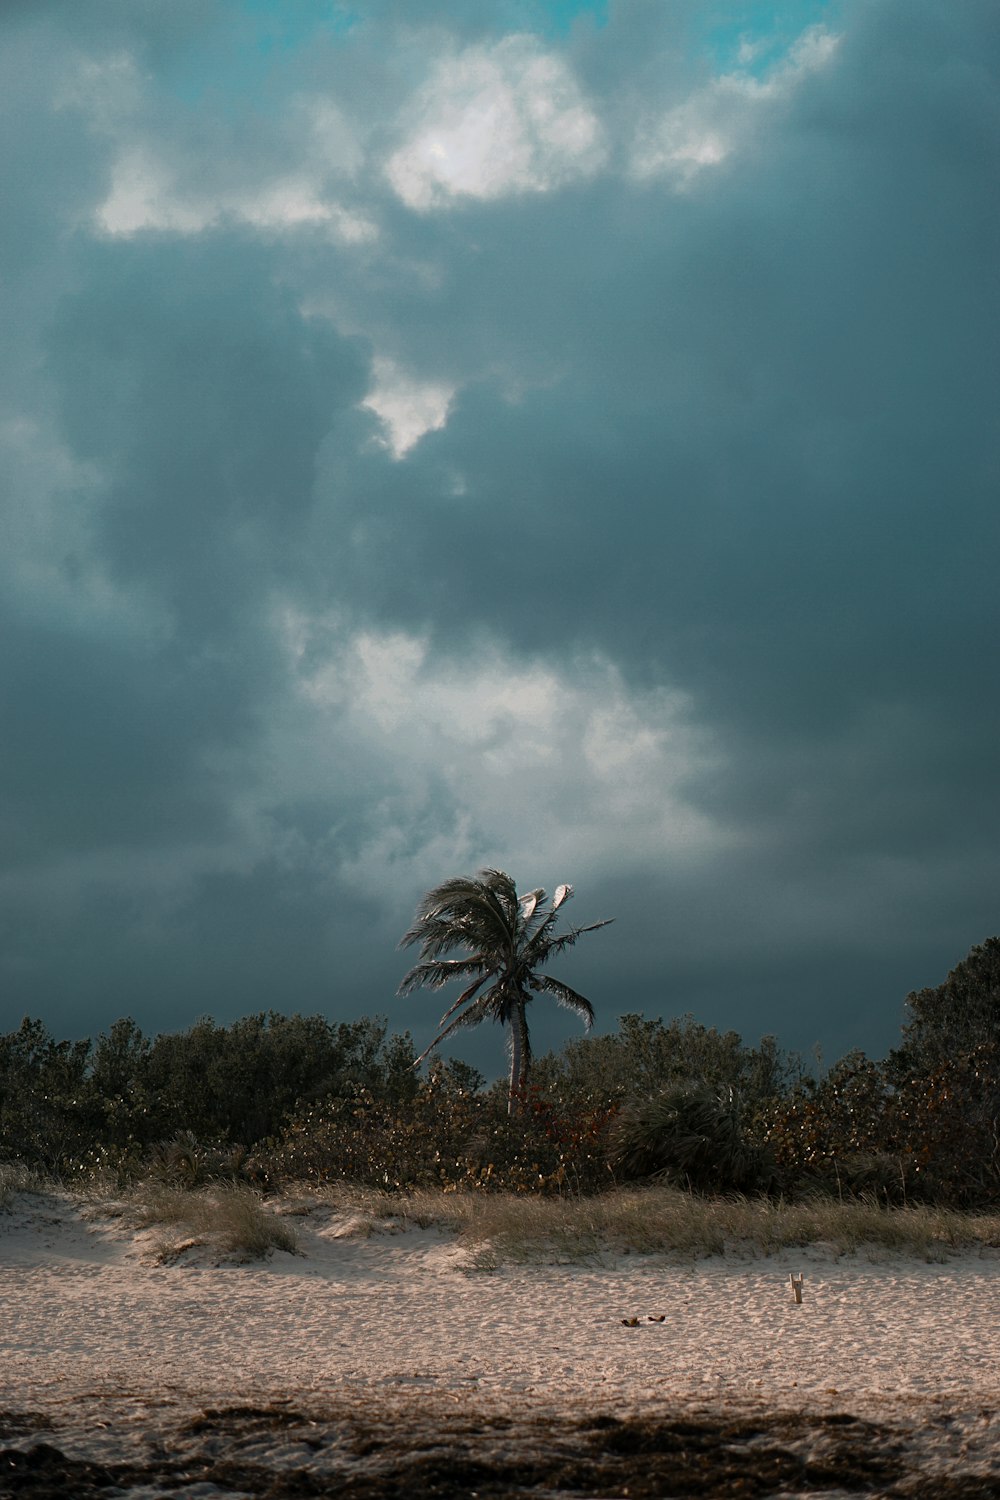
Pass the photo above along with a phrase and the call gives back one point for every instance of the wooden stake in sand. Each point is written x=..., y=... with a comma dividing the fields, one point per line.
x=796, y=1284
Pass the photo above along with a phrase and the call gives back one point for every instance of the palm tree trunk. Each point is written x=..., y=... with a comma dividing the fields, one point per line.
x=515, y=1066
x=520, y=1057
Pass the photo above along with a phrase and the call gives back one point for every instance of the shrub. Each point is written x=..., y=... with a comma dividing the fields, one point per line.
x=929, y=1135
x=185, y=1162
x=693, y=1135
x=445, y=1137
x=817, y=1131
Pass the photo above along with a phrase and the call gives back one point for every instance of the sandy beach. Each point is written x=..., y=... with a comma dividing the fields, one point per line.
x=347, y=1366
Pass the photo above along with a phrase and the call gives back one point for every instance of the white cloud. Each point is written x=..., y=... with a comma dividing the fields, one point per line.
x=493, y=121
x=716, y=121
x=408, y=407
x=145, y=194
x=153, y=187
x=107, y=89
x=553, y=772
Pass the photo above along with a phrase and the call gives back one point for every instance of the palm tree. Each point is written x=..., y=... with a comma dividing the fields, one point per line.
x=507, y=939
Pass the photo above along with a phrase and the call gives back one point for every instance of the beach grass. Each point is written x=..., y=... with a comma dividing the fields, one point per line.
x=231, y=1217
x=525, y=1228
x=521, y=1227
x=16, y=1177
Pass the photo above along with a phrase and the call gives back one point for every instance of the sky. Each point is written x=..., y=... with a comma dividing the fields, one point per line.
x=551, y=436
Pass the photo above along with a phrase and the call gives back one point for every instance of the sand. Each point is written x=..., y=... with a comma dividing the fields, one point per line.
x=111, y=1358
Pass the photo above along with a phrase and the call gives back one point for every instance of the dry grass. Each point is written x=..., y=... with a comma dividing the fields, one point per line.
x=508, y=1227
x=15, y=1178
x=231, y=1218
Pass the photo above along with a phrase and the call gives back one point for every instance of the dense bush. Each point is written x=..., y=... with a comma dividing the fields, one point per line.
x=870, y=1127
x=957, y=1016
x=833, y=1133
x=644, y=1056
x=67, y=1106
x=47, y=1114
x=691, y=1134
x=446, y=1136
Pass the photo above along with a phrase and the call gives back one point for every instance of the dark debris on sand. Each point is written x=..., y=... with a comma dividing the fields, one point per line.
x=278, y=1453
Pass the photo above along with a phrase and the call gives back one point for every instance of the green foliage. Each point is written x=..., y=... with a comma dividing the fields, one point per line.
x=957, y=1016
x=945, y=1079
x=239, y=1083
x=45, y=1111
x=644, y=1056
x=68, y=1107
x=835, y=1133
x=931, y=1136
x=947, y=1125
x=185, y=1162
x=691, y=1134
x=274, y=1097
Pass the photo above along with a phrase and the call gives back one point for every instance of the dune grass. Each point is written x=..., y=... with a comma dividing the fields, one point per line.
x=517, y=1228
x=510, y=1228
x=16, y=1178
x=230, y=1217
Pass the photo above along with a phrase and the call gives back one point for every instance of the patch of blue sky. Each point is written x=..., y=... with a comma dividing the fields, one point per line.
x=749, y=37
x=287, y=28
x=754, y=36
x=268, y=32
x=557, y=17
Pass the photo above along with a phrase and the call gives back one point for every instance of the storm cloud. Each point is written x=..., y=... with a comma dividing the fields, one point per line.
x=560, y=438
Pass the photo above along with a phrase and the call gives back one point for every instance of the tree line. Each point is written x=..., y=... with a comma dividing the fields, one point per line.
x=274, y=1098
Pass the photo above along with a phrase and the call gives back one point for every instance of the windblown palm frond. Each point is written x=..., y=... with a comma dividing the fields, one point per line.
x=471, y=1016
x=506, y=939
x=530, y=901
x=437, y=972
x=542, y=946
x=566, y=996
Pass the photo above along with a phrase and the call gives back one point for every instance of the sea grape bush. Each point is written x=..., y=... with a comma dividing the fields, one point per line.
x=894, y=1132
x=645, y=1055
x=447, y=1137
x=947, y=1122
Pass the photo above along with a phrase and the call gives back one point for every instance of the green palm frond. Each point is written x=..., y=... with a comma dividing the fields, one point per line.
x=477, y=914
x=463, y=997
x=434, y=973
x=438, y=934
x=566, y=996
x=543, y=947
x=478, y=1011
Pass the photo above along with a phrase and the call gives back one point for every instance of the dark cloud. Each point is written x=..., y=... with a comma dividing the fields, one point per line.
x=725, y=430
x=198, y=396
x=49, y=162
x=104, y=746
x=765, y=464
x=194, y=382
